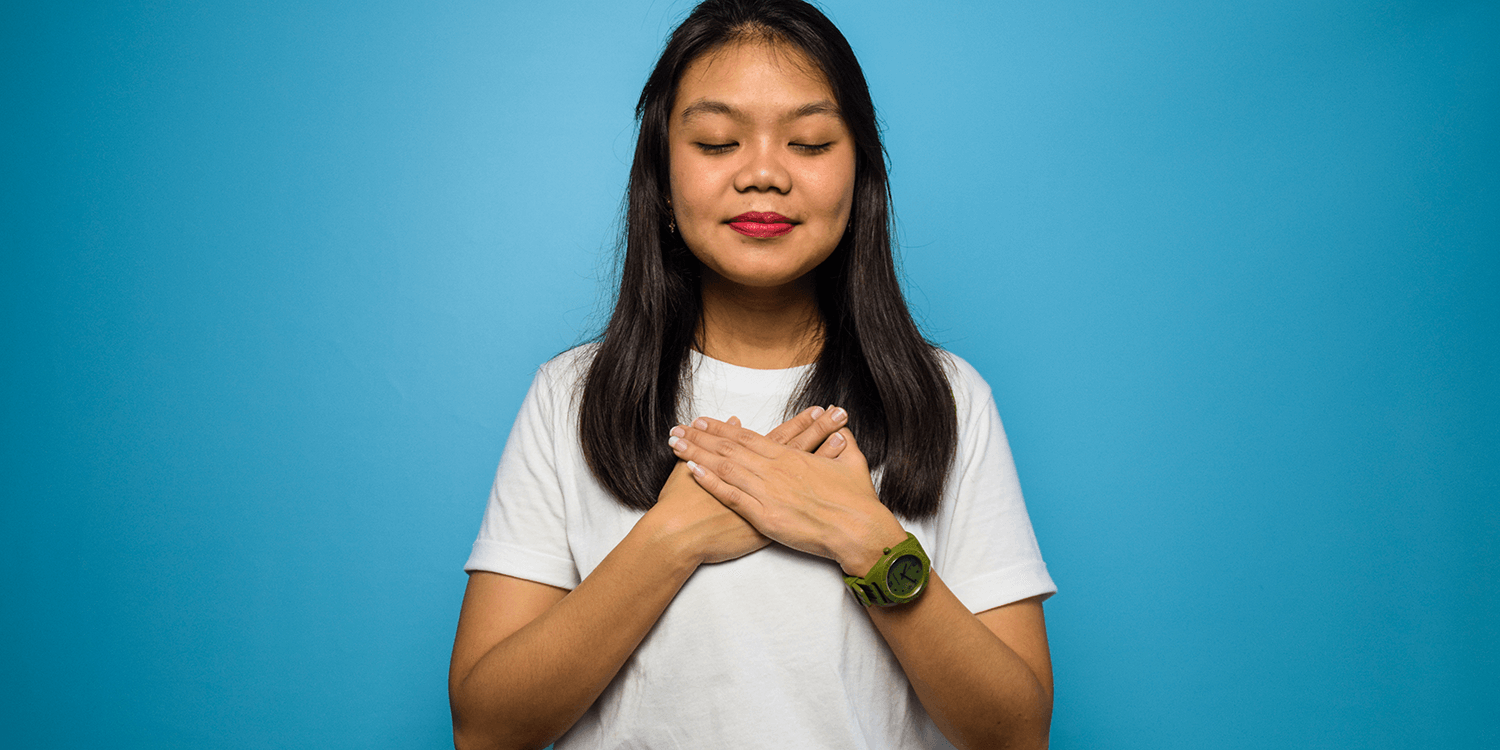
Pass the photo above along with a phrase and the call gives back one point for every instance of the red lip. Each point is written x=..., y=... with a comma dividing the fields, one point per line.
x=761, y=224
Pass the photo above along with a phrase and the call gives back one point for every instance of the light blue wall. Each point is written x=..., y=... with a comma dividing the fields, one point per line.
x=275, y=278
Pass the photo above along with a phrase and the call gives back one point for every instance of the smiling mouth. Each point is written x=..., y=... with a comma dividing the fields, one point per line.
x=761, y=224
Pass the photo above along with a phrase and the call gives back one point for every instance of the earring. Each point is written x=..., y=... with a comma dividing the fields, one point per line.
x=671, y=218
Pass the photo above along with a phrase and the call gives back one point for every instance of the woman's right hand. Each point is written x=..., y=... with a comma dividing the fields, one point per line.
x=529, y=658
x=708, y=531
x=712, y=532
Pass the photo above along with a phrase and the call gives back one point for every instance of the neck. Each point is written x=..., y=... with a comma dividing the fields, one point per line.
x=770, y=328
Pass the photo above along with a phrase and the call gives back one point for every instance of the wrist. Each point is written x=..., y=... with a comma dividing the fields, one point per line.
x=898, y=577
x=863, y=550
x=670, y=542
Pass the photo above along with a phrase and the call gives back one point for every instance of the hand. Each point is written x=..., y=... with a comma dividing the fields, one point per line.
x=711, y=532
x=718, y=533
x=820, y=505
x=814, y=430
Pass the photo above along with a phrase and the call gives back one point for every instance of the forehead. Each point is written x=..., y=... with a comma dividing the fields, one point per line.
x=750, y=78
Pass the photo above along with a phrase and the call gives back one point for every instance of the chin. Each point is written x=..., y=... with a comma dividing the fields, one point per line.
x=760, y=276
x=762, y=270
x=760, y=281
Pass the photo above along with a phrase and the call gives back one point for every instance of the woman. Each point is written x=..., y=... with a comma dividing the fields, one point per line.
x=736, y=580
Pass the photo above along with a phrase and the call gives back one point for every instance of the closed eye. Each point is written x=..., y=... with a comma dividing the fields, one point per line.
x=715, y=148
x=812, y=148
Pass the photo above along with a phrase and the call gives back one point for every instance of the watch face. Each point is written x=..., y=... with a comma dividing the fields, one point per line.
x=904, y=576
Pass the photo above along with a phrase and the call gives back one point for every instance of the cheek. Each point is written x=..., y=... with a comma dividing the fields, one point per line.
x=692, y=188
x=834, y=192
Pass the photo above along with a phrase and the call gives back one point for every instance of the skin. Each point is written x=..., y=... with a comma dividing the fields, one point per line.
x=753, y=129
x=985, y=679
x=529, y=659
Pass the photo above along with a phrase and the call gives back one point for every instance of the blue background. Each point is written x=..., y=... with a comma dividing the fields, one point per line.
x=276, y=276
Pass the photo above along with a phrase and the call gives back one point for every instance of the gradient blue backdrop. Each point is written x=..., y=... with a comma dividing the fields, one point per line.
x=276, y=275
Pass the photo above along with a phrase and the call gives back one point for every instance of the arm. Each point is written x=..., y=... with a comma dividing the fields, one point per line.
x=529, y=659
x=985, y=679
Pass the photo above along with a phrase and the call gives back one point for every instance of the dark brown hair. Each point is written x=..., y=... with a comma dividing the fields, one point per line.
x=874, y=361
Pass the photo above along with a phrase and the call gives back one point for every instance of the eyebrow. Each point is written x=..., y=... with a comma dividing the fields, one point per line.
x=709, y=107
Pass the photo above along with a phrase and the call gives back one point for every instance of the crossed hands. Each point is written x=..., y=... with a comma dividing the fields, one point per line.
x=804, y=484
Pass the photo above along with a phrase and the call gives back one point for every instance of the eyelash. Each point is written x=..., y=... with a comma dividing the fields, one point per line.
x=806, y=148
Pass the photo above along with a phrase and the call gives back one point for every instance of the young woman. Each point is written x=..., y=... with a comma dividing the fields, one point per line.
x=668, y=560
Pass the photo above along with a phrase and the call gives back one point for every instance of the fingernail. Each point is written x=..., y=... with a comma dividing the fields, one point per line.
x=695, y=468
x=678, y=432
x=817, y=411
x=838, y=414
x=673, y=441
x=700, y=424
x=836, y=439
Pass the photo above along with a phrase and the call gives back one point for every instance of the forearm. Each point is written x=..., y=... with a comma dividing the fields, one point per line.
x=976, y=688
x=979, y=689
x=529, y=688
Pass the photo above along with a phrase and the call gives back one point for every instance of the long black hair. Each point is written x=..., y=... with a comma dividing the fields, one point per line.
x=874, y=361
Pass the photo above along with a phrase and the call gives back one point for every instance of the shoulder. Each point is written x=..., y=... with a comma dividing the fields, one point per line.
x=970, y=391
x=567, y=371
x=569, y=368
x=558, y=382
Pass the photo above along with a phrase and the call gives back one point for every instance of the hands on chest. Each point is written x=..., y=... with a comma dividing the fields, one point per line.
x=805, y=484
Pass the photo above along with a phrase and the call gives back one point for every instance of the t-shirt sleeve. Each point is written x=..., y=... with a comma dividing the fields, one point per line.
x=987, y=552
x=524, y=532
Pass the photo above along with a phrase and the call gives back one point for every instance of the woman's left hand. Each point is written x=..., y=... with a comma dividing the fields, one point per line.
x=819, y=505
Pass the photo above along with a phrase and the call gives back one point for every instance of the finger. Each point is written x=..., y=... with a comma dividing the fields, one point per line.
x=729, y=460
x=794, y=426
x=734, y=421
x=833, y=446
x=720, y=437
x=733, y=498
x=817, y=432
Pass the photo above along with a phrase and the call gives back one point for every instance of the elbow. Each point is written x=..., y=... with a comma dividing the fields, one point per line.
x=462, y=741
x=1027, y=736
x=1029, y=731
x=1027, y=727
x=1009, y=740
x=468, y=737
x=471, y=741
x=482, y=726
x=1032, y=738
x=465, y=738
x=477, y=727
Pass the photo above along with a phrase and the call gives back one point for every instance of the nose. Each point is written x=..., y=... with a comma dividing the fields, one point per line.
x=763, y=169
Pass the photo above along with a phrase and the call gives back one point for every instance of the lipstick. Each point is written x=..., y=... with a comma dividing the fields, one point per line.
x=761, y=224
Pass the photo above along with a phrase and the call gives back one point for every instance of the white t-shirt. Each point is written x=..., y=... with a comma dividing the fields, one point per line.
x=769, y=650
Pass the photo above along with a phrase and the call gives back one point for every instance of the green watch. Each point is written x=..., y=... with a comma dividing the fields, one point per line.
x=899, y=576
